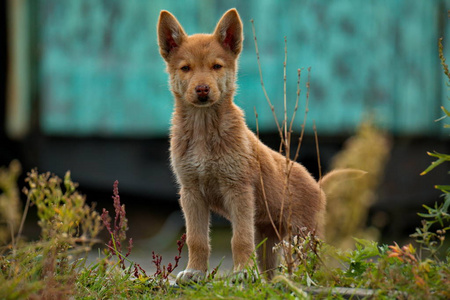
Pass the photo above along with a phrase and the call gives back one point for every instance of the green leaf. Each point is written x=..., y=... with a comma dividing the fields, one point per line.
x=439, y=155
x=370, y=249
x=446, y=203
x=426, y=215
x=434, y=164
x=444, y=188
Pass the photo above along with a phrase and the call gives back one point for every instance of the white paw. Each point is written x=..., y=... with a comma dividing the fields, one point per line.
x=189, y=276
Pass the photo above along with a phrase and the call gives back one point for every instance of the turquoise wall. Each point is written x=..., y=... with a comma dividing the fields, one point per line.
x=100, y=73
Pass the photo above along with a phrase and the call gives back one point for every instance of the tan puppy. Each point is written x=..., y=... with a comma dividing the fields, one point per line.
x=218, y=161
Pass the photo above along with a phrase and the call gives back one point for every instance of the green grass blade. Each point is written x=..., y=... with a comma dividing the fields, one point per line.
x=444, y=188
x=433, y=165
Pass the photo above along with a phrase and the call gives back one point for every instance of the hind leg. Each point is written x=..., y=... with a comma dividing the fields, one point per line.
x=267, y=258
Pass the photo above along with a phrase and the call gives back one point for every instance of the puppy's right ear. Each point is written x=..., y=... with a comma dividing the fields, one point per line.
x=170, y=33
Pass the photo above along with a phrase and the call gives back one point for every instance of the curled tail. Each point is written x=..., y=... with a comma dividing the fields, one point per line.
x=336, y=176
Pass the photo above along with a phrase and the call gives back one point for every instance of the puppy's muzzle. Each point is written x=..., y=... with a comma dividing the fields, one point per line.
x=202, y=91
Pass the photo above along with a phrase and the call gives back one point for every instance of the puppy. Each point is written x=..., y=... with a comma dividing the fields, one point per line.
x=221, y=165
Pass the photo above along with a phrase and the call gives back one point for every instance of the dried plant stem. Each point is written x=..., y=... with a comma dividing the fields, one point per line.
x=286, y=142
x=280, y=129
x=300, y=139
x=288, y=167
x=22, y=223
x=262, y=84
x=262, y=181
x=285, y=133
x=317, y=149
x=299, y=72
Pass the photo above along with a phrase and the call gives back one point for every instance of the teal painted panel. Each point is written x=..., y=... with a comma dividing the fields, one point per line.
x=101, y=74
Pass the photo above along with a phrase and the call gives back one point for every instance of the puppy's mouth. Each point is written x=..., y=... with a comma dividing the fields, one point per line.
x=203, y=99
x=203, y=102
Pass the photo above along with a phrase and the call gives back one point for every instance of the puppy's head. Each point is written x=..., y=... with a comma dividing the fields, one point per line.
x=202, y=67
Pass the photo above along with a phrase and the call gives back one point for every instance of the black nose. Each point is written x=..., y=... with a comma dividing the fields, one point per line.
x=202, y=91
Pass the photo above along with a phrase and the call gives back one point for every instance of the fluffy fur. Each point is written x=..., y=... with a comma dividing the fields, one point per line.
x=217, y=160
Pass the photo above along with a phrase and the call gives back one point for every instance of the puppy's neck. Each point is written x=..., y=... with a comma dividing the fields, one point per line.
x=205, y=122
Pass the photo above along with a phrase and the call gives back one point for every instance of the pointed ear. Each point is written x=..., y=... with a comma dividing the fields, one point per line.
x=170, y=33
x=229, y=31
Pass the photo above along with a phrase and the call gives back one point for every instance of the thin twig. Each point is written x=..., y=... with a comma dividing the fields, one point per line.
x=300, y=139
x=262, y=83
x=288, y=167
x=299, y=72
x=286, y=144
x=317, y=149
x=286, y=141
x=262, y=181
x=24, y=216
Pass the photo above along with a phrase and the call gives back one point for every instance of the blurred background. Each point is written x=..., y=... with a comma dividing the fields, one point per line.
x=83, y=88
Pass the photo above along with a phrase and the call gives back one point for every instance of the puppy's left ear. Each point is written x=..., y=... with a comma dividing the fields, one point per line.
x=229, y=31
x=170, y=34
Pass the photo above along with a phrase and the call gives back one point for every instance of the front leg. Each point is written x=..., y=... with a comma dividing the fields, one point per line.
x=240, y=204
x=196, y=214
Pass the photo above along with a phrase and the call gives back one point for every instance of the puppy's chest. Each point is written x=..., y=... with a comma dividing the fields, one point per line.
x=208, y=159
x=202, y=160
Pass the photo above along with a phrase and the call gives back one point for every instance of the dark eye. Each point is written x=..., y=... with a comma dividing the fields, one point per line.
x=217, y=67
x=185, y=68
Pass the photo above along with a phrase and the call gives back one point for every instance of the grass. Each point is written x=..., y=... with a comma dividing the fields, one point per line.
x=55, y=266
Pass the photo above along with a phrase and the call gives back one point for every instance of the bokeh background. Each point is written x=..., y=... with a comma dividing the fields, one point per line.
x=83, y=88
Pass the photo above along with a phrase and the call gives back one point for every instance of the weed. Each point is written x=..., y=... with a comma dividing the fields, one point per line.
x=10, y=214
x=304, y=256
x=162, y=272
x=117, y=231
x=428, y=237
x=62, y=214
x=46, y=268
